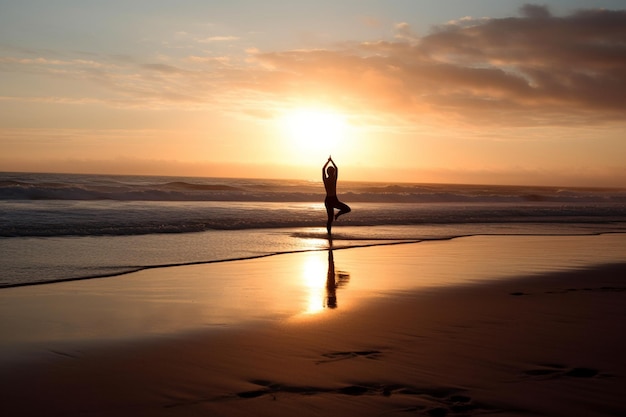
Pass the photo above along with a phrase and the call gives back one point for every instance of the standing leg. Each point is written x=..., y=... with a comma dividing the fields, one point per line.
x=329, y=212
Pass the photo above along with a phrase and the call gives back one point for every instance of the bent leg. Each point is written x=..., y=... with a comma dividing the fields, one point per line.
x=343, y=209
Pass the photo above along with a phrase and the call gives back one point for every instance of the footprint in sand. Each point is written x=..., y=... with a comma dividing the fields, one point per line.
x=339, y=356
x=549, y=371
x=429, y=401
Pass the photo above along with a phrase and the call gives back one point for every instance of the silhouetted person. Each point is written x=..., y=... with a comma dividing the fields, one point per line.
x=329, y=176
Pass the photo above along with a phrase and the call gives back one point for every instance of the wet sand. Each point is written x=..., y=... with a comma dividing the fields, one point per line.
x=510, y=340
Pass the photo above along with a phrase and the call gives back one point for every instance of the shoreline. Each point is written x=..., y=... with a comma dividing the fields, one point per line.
x=372, y=242
x=515, y=335
x=213, y=261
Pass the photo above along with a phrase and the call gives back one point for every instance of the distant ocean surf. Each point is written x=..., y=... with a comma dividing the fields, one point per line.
x=58, y=226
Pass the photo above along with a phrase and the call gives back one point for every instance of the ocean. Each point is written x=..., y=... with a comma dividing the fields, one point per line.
x=59, y=227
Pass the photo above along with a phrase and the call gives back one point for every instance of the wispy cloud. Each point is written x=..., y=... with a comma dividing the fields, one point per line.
x=218, y=39
x=529, y=69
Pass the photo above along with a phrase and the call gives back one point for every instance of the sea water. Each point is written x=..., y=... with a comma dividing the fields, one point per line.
x=56, y=227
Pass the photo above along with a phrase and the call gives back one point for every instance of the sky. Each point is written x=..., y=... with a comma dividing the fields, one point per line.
x=448, y=91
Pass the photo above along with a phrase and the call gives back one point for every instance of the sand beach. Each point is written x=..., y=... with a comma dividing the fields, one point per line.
x=487, y=325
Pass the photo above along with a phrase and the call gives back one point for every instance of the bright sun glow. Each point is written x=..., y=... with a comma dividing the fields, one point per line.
x=315, y=130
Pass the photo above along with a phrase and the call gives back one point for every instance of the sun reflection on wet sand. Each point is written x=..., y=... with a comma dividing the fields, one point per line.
x=313, y=275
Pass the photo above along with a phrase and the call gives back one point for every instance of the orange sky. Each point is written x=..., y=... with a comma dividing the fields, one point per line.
x=523, y=96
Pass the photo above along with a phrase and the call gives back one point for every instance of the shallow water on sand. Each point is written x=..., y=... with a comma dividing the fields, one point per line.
x=28, y=260
x=315, y=284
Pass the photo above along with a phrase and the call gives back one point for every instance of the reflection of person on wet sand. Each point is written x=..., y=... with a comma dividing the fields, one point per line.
x=331, y=284
x=329, y=176
x=334, y=281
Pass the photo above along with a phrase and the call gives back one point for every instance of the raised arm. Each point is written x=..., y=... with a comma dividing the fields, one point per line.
x=330, y=161
x=334, y=165
x=324, y=168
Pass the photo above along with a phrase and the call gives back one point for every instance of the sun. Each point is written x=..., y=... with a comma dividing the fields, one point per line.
x=315, y=130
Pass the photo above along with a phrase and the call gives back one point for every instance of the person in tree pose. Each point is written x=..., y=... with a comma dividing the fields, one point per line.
x=329, y=176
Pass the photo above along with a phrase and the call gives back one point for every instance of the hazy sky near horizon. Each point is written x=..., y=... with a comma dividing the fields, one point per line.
x=472, y=91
